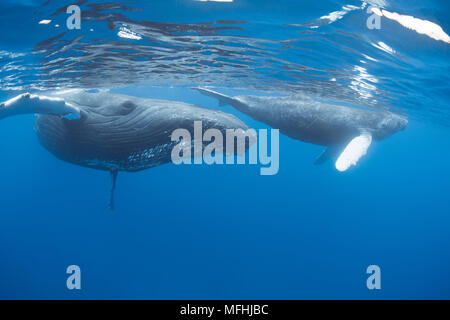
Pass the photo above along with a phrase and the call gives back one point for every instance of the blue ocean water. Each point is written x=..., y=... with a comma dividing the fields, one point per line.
x=225, y=231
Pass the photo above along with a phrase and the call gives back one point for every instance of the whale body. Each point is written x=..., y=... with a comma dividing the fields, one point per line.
x=347, y=130
x=113, y=132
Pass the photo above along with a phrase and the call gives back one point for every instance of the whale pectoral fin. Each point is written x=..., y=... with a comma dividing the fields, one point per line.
x=113, y=174
x=27, y=103
x=327, y=154
x=353, y=151
x=223, y=99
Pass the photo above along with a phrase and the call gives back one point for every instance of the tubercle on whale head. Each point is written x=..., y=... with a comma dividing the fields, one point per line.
x=389, y=124
x=394, y=123
x=405, y=120
x=400, y=122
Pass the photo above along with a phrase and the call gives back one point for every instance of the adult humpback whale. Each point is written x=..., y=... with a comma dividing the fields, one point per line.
x=342, y=129
x=112, y=132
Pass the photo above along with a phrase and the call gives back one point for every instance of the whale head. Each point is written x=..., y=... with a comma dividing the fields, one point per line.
x=390, y=124
x=396, y=122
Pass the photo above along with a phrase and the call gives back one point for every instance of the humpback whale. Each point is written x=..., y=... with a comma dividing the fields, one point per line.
x=343, y=130
x=112, y=132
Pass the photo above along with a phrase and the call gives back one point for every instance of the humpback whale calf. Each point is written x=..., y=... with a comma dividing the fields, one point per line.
x=345, y=130
x=112, y=132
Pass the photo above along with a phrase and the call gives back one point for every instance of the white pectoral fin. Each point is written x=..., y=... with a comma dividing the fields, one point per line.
x=353, y=151
x=31, y=103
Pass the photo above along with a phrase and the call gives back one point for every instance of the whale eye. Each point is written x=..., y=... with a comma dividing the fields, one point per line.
x=126, y=108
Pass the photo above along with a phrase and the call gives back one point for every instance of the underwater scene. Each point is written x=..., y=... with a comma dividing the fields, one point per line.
x=224, y=149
